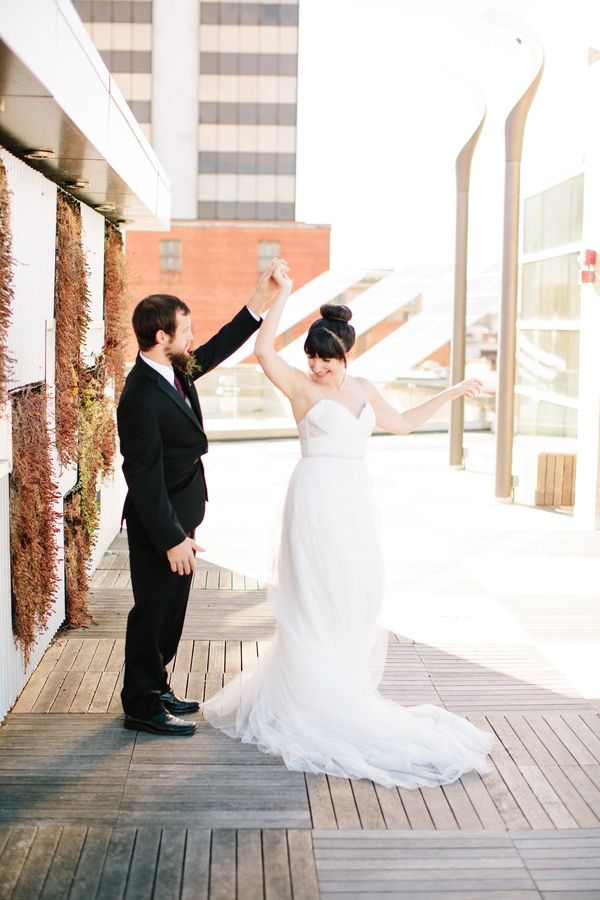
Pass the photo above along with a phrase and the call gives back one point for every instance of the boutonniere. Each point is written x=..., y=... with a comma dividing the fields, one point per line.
x=193, y=369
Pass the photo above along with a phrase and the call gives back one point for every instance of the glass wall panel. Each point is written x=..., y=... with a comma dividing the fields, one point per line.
x=549, y=361
x=550, y=288
x=539, y=417
x=554, y=217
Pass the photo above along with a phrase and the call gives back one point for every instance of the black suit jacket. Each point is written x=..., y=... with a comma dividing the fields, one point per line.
x=162, y=440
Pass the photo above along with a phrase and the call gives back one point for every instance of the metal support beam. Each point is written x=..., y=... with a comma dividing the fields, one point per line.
x=459, y=322
x=513, y=133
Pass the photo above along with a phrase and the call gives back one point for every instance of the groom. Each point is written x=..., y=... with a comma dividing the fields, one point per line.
x=162, y=443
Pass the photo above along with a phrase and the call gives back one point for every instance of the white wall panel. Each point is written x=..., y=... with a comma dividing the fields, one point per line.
x=33, y=225
x=93, y=248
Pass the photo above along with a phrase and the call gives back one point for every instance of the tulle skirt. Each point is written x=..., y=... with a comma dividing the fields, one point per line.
x=313, y=698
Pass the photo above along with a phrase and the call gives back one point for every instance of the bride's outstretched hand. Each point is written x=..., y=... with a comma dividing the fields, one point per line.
x=468, y=388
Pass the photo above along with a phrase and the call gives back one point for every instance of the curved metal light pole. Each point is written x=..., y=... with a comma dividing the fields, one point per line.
x=459, y=322
x=513, y=134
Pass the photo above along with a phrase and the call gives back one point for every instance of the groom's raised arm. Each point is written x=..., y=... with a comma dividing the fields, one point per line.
x=226, y=341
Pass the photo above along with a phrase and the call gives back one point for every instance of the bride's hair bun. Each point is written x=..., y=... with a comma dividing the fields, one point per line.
x=331, y=311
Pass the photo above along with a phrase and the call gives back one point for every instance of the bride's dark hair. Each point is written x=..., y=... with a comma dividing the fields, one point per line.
x=331, y=336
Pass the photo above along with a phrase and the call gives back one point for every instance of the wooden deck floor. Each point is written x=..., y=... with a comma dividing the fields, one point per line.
x=90, y=810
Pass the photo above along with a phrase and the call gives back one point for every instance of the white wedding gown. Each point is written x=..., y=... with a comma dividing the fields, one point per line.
x=313, y=699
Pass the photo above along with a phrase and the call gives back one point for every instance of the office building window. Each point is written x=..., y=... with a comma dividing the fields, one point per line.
x=170, y=256
x=266, y=251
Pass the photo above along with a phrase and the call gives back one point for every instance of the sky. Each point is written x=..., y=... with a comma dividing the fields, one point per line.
x=390, y=90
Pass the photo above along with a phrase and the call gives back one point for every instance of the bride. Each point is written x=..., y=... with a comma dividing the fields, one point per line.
x=313, y=700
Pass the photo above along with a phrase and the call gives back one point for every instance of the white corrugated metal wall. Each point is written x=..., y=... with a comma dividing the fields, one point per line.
x=31, y=344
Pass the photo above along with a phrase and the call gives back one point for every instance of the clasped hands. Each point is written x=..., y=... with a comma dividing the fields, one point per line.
x=274, y=278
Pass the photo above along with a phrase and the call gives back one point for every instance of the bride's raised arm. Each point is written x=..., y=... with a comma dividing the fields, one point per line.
x=287, y=378
x=395, y=422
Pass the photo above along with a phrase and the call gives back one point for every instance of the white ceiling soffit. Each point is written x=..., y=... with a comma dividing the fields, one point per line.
x=56, y=94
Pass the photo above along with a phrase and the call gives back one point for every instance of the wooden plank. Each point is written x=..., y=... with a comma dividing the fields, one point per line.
x=367, y=804
x=183, y=659
x=415, y=809
x=320, y=802
x=587, y=783
x=477, y=791
x=237, y=581
x=104, y=692
x=64, y=863
x=233, y=656
x=302, y=865
x=342, y=797
x=568, y=496
x=116, y=868
x=102, y=655
x=212, y=579
x=568, y=737
x=170, y=864
x=250, y=880
x=438, y=808
x=559, y=472
x=85, y=692
x=530, y=740
x=504, y=801
x=200, y=656
x=140, y=882
x=196, y=868
x=391, y=807
x=540, y=489
x=571, y=798
x=553, y=806
x=91, y=863
x=117, y=655
x=225, y=580
x=549, y=486
x=249, y=654
x=222, y=864
x=276, y=864
x=461, y=806
x=216, y=657
x=14, y=856
x=67, y=692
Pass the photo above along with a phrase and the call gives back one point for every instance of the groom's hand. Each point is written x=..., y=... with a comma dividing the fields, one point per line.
x=267, y=286
x=182, y=557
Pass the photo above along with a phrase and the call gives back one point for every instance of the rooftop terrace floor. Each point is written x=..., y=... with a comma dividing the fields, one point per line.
x=493, y=613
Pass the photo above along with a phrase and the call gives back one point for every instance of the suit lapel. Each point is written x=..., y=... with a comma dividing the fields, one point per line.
x=172, y=393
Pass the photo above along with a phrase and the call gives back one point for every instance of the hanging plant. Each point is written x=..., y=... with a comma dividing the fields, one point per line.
x=6, y=286
x=96, y=449
x=34, y=520
x=72, y=320
x=115, y=306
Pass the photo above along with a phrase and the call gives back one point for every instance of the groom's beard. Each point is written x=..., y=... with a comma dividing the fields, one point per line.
x=178, y=360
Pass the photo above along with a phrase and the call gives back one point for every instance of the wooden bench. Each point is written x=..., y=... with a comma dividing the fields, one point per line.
x=555, y=479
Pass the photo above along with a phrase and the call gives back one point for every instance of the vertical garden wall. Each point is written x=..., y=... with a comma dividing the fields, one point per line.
x=62, y=305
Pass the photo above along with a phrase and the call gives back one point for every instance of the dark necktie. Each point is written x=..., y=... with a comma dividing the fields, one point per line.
x=179, y=385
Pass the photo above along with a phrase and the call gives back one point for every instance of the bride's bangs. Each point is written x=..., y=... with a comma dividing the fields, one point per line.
x=322, y=343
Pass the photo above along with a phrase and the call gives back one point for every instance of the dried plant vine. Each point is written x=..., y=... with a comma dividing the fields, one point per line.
x=34, y=519
x=85, y=431
x=71, y=310
x=115, y=306
x=6, y=286
x=89, y=434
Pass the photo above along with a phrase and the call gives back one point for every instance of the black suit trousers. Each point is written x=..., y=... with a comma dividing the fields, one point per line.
x=154, y=624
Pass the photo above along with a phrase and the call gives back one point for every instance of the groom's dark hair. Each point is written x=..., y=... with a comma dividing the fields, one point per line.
x=158, y=312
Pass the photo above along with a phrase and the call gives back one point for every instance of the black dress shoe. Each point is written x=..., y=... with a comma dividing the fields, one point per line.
x=161, y=723
x=178, y=705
